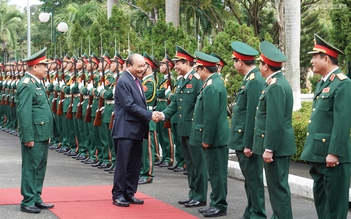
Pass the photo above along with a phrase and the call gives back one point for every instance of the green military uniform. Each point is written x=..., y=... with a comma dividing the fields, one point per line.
x=242, y=132
x=184, y=103
x=273, y=131
x=36, y=124
x=147, y=166
x=328, y=132
x=211, y=127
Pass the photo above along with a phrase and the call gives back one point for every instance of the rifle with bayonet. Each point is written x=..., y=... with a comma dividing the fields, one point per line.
x=9, y=81
x=12, y=103
x=54, y=100
x=87, y=117
x=113, y=113
x=167, y=123
x=79, y=113
x=2, y=89
x=62, y=94
x=98, y=116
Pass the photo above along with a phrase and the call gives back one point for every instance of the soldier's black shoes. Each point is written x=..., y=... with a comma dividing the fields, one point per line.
x=31, y=209
x=156, y=163
x=142, y=181
x=133, y=200
x=104, y=166
x=214, y=212
x=121, y=202
x=194, y=203
x=165, y=164
x=110, y=168
x=182, y=202
x=97, y=164
x=172, y=167
x=179, y=169
x=44, y=205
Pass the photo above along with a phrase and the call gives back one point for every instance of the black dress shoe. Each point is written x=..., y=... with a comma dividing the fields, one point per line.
x=63, y=150
x=75, y=156
x=173, y=167
x=44, y=205
x=110, y=168
x=86, y=159
x=142, y=181
x=165, y=164
x=194, y=203
x=156, y=163
x=81, y=157
x=179, y=169
x=182, y=202
x=214, y=212
x=121, y=202
x=113, y=170
x=97, y=164
x=30, y=209
x=104, y=166
x=204, y=209
x=72, y=153
x=133, y=200
x=185, y=173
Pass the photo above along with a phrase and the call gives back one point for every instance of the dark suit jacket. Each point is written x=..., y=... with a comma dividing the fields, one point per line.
x=131, y=115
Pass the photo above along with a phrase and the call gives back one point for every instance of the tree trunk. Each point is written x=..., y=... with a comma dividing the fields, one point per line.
x=292, y=33
x=110, y=4
x=172, y=12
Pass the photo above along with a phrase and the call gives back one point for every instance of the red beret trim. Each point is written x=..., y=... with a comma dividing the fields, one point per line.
x=184, y=56
x=36, y=61
x=206, y=64
x=270, y=62
x=243, y=57
x=325, y=50
x=150, y=63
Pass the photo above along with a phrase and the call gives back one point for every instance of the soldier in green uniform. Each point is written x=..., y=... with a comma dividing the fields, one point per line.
x=184, y=103
x=242, y=128
x=107, y=99
x=36, y=128
x=163, y=127
x=210, y=131
x=149, y=87
x=327, y=147
x=274, y=136
x=1, y=96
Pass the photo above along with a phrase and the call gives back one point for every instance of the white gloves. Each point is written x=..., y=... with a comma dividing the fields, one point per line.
x=90, y=86
x=55, y=82
x=100, y=88
x=167, y=90
x=62, y=83
x=47, y=83
x=81, y=84
x=72, y=85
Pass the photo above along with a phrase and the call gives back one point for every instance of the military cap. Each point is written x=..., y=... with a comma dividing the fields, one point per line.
x=168, y=60
x=243, y=51
x=107, y=57
x=322, y=46
x=58, y=60
x=271, y=55
x=1, y=65
x=118, y=58
x=66, y=58
x=221, y=61
x=73, y=59
x=85, y=58
x=94, y=58
x=182, y=54
x=150, y=61
x=37, y=58
x=202, y=59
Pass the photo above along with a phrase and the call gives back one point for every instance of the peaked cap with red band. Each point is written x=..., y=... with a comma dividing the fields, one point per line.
x=202, y=59
x=85, y=58
x=243, y=51
x=182, y=54
x=150, y=61
x=118, y=58
x=37, y=58
x=66, y=58
x=94, y=58
x=107, y=57
x=168, y=60
x=58, y=60
x=322, y=46
x=221, y=61
x=271, y=55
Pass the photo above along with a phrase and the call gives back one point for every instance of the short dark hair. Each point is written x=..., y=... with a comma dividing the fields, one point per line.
x=332, y=59
x=272, y=68
x=246, y=62
x=212, y=69
x=190, y=63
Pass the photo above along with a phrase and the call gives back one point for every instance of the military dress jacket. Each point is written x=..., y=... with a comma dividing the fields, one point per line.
x=210, y=114
x=244, y=111
x=273, y=126
x=184, y=103
x=35, y=118
x=328, y=130
x=149, y=87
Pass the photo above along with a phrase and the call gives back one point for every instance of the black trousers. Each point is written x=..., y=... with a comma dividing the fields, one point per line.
x=128, y=163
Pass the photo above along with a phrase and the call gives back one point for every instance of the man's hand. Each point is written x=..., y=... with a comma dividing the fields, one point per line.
x=81, y=84
x=247, y=152
x=100, y=88
x=90, y=86
x=332, y=160
x=62, y=83
x=29, y=144
x=205, y=145
x=267, y=156
x=157, y=116
x=167, y=90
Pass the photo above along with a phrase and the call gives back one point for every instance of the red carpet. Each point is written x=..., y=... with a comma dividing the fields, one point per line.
x=95, y=202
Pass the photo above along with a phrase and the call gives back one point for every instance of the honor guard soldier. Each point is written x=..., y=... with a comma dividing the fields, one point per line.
x=36, y=127
x=327, y=147
x=184, y=103
x=211, y=131
x=149, y=87
x=274, y=136
x=163, y=130
x=242, y=128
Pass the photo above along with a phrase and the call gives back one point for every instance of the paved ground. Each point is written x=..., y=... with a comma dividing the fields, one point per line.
x=167, y=186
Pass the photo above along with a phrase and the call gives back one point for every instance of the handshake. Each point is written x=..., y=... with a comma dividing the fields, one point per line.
x=157, y=116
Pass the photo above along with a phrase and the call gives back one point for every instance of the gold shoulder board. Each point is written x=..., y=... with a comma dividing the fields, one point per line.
x=209, y=82
x=26, y=80
x=252, y=76
x=197, y=76
x=341, y=76
x=273, y=81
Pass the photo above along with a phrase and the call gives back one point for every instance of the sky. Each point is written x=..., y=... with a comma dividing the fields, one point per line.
x=23, y=3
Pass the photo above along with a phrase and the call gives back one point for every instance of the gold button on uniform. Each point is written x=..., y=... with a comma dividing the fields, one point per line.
x=239, y=130
x=180, y=115
x=323, y=140
x=180, y=107
x=42, y=123
x=262, y=135
x=180, y=99
x=200, y=130
x=307, y=134
x=314, y=109
x=309, y=121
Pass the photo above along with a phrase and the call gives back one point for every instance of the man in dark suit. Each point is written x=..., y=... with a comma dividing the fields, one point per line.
x=131, y=125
